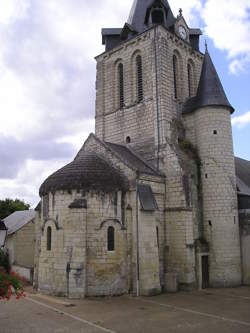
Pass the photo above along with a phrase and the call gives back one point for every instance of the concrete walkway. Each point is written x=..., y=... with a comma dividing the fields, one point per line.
x=212, y=310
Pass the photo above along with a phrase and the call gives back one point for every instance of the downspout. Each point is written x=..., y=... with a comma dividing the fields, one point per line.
x=157, y=95
x=137, y=239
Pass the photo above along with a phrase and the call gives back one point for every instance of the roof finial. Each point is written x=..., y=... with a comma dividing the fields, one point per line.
x=180, y=11
x=206, y=48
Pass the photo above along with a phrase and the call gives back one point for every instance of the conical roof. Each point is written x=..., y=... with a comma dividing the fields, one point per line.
x=210, y=90
x=87, y=172
x=139, y=10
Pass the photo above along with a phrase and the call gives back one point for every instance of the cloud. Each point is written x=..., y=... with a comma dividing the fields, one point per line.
x=242, y=120
x=227, y=23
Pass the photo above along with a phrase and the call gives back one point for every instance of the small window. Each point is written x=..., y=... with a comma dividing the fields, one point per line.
x=111, y=239
x=215, y=132
x=128, y=139
x=157, y=235
x=139, y=78
x=175, y=75
x=121, y=85
x=49, y=238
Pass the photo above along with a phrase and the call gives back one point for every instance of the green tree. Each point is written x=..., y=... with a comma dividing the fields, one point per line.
x=9, y=206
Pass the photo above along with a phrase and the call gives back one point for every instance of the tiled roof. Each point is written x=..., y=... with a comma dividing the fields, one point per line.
x=88, y=171
x=133, y=159
x=19, y=219
x=210, y=90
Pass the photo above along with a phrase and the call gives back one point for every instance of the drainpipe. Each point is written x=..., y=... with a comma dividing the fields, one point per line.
x=157, y=95
x=137, y=240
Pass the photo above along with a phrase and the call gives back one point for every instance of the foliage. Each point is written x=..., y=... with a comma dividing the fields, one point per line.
x=9, y=206
x=4, y=261
x=190, y=150
x=11, y=285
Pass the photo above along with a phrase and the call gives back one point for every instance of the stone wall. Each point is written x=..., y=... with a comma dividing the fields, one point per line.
x=24, y=246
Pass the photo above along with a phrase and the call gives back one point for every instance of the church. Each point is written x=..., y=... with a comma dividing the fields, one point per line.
x=154, y=200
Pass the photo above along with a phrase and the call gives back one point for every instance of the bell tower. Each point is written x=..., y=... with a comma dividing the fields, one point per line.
x=142, y=77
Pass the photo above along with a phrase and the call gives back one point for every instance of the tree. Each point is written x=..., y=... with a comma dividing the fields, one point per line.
x=9, y=206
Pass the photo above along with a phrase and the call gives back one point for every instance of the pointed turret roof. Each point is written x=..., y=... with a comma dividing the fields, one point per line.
x=210, y=90
x=139, y=10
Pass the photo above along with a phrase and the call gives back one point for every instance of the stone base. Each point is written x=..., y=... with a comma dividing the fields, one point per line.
x=171, y=285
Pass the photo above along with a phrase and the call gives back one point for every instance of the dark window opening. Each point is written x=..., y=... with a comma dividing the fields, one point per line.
x=128, y=140
x=210, y=223
x=206, y=176
x=157, y=16
x=215, y=132
x=175, y=75
x=139, y=78
x=49, y=234
x=157, y=235
x=121, y=85
x=205, y=272
x=189, y=80
x=111, y=239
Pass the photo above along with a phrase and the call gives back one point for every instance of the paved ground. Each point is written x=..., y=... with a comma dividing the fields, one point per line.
x=213, y=310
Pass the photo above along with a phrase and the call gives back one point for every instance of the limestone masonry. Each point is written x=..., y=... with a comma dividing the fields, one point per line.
x=150, y=201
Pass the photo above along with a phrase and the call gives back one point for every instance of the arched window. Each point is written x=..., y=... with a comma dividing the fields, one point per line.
x=175, y=73
x=111, y=239
x=121, y=85
x=191, y=79
x=49, y=238
x=139, y=78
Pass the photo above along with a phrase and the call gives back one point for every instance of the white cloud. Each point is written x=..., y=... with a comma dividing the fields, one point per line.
x=242, y=120
x=12, y=10
x=228, y=25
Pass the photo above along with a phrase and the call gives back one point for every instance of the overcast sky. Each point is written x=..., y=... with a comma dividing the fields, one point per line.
x=47, y=77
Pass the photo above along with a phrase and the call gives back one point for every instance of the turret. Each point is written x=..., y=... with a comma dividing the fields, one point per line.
x=212, y=121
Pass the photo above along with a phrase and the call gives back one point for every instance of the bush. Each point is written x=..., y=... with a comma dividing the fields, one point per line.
x=11, y=285
x=4, y=261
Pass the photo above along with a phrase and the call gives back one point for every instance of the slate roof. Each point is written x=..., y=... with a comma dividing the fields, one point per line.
x=210, y=90
x=133, y=159
x=19, y=219
x=243, y=175
x=138, y=13
x=87, y=171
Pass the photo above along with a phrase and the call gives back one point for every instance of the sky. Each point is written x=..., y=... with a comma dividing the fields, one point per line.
x=47, y=78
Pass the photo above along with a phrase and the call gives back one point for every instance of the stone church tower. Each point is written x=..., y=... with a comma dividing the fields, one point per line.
x=150, y=198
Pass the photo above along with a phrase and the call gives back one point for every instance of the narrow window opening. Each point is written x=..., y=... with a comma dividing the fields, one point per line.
x=215, y=132
x=157, y=235
x=111, y=239
x=210, y=223
x=206, y=176
x=175, y=75
x=49, y=234
x=139, y=78
x=121, y=85
x=189, y=80
x=128, y=139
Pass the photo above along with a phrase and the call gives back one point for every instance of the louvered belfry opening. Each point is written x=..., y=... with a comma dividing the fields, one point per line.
x=139, y=78
x=157, y=16
x=121, y=85
x=175, y=75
